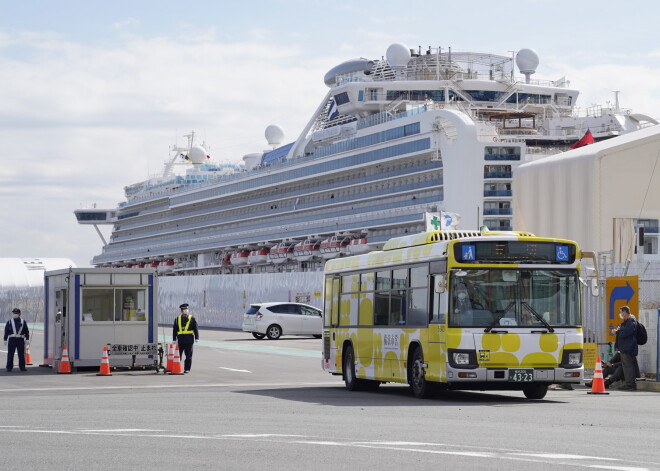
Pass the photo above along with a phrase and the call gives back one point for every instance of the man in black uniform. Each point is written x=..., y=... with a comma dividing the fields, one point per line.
x=185, y=334
x=16, y=330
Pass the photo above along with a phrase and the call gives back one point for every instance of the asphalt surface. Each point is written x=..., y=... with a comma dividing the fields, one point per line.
x=259, y=404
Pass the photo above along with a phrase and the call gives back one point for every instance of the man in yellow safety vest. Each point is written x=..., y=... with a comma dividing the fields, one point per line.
x=185, y=334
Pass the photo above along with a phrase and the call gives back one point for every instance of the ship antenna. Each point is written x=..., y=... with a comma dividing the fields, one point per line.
x=616, y=101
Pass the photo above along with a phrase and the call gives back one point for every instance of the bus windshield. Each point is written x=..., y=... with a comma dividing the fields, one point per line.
x=514, y=298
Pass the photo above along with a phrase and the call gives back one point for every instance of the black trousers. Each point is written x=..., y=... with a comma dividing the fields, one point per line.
x=16, y=344
x=187, y=348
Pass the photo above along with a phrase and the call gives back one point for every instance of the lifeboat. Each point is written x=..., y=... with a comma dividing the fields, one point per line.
x=258, y=256
x=307, y=249
x=140, y=265
x=166, y=266
x=357, y=246
x=226, y=259
x=333, y=246
x=280, y=252
x=154, y=264
x=239, y=258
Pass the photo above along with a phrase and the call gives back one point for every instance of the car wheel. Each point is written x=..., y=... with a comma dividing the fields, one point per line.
x=258, y=336
x=274, y=332
x=421, y=388
x=535, y=391
x=317, y=336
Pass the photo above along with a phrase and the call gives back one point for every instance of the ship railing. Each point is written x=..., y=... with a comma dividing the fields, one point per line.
x=399, y=174
x=533, y=152
x=349, y=222
x=420, y=188
x=518, y=131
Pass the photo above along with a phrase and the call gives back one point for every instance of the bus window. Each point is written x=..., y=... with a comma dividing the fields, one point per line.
x=334, y=311
x=488, y=298
x=366, y=315
x=418, y=307
x=398, y=307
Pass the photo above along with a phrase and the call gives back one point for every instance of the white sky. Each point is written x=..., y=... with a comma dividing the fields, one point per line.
x=92, y=94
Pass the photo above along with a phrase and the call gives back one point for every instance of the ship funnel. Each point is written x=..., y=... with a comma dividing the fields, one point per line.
x=527, y=61
x=252, y=160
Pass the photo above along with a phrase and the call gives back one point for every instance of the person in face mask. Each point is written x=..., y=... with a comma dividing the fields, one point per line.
x=185, y=333
x=626, y=341
x=17, y=335
x=462, y=306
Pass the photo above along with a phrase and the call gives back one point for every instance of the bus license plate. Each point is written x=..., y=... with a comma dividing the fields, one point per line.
x=521, y=375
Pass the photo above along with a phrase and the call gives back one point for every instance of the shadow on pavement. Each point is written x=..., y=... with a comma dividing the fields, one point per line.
x=390, y=396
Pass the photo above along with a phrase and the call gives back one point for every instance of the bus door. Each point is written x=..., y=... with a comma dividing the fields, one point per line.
x=330, y=323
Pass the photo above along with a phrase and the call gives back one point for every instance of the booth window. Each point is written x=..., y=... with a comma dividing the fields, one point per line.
x=113, y=304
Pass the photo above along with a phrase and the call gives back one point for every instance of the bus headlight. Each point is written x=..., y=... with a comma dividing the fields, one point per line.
x=571, y=358
x=461, y=358
x=465, y=359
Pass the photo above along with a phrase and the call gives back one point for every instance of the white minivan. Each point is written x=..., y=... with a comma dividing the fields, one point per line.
x=273, y=320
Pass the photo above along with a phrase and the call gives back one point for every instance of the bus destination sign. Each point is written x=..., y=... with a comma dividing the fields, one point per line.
x=514, y=251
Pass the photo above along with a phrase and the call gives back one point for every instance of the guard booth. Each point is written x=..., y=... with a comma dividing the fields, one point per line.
x=89, y=308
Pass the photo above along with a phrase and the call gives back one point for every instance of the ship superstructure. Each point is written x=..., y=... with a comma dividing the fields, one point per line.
x=416, y=132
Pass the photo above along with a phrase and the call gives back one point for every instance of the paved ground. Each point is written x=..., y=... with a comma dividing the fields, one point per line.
x=250, y=404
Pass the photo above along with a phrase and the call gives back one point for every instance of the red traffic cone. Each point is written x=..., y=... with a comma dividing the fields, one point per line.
x=170, y=357
x=177, y=369
x=28, y=355
x=598, y=384
x=104, y=369
x=65, y=366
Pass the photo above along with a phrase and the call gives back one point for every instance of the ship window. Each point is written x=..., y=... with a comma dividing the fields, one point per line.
x=529, y=98
x=484, y=95
x=502, y=153
x=341, y=98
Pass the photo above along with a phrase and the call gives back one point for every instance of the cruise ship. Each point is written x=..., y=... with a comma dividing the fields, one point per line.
x=416, y=133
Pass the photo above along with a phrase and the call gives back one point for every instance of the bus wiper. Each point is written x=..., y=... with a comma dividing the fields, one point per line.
x=539, y=317
x=496, y=321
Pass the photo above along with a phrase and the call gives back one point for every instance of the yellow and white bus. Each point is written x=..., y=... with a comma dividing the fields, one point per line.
x=470, y=310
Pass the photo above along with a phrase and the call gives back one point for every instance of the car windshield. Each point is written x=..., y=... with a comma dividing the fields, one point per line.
x=520, y=297
x=252, y=310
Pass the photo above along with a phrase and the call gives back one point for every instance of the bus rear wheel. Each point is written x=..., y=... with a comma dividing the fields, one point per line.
x=420, y=387
x=353, y=383
x=535, y=391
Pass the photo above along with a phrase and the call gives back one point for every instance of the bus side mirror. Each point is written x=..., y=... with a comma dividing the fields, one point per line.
x=439, y=284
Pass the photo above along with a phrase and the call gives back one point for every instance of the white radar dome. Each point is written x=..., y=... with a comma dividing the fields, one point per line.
x=198, y=155
x=397, y=55
x=274, y=135
x=527, y=61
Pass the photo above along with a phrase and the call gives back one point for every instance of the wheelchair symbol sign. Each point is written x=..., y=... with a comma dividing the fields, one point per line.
x=561, y=253
x=468, y=252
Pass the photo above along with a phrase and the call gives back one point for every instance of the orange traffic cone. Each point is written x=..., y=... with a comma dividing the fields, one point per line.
x=28, y=355
x=598, y=384
x=104, y=370
x=177, y=369
x=65, y=366
x=170, y=357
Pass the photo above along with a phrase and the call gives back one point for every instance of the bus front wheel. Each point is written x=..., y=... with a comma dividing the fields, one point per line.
x=535, y=391
x=421, y=388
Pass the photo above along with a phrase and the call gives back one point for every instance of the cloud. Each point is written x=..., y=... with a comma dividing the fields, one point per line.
x=80, y=122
